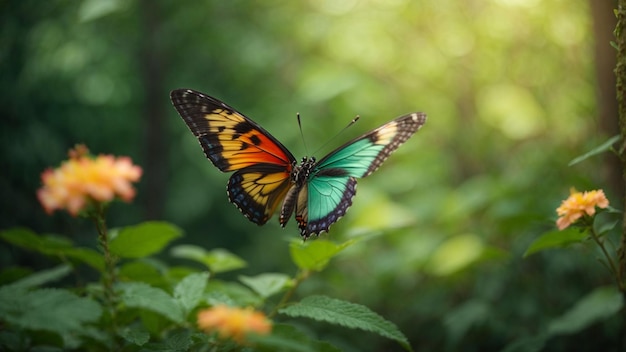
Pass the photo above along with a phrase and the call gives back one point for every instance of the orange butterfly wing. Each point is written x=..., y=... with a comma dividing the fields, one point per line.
x=233, y=142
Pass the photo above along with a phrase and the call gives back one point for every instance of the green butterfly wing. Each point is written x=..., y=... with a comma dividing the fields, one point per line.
x=332, y=182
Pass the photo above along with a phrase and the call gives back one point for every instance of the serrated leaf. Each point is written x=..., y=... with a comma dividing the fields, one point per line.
x=556, y=239
x=217, y=260
x=266, y=284
x=178, y=341
x=54, y=310
x=595, y=151
x=140, y=295
x=144, y=239
x=315, y=255
x=135, y=335
x=44, y=276
x=598, y=305
x=190, y=291
x=346, y=314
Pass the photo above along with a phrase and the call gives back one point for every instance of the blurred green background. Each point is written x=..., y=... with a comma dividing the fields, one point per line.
x=514, y=90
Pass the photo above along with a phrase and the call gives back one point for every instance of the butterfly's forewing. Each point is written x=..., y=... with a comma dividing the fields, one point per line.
x=233, y=142
x=363, y=155
x=332, y=184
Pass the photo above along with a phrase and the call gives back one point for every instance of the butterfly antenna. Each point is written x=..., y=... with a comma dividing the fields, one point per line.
x=301, y=133
x=352, y=122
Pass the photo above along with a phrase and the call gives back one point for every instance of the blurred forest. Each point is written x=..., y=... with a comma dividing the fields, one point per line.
x=514, y=90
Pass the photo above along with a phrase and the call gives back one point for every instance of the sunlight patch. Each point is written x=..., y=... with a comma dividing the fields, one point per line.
x=512, y=109
x=455, y=254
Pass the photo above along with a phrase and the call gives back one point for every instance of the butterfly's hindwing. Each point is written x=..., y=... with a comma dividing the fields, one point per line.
x=328, y=200
x=257, y=191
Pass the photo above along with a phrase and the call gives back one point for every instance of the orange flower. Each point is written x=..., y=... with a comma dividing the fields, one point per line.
x=234, y=323
x=579, y=204
x=83, y=178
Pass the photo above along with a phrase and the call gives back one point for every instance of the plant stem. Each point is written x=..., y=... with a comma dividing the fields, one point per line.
x=616, y=272
x=108, y=277
x=620, y=87
x=300, y=277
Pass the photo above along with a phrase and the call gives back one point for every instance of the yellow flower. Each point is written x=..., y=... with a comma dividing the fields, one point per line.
x=233, y=323
x=83, y=178
x=579, y=204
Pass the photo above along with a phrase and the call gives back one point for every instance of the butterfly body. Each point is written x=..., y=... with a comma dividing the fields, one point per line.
x=266, y=174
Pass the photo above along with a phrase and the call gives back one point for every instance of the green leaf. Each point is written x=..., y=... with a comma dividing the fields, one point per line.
x=600, y=304
x=190, y=291
x=286, y=337
x=595, y=151
x=142, y=270
x=54, y=310
x=84, y=255
x=346, y=314
x=144, y=239
x=53, y=246
x=230, y=293
x=22, y=237
x=140, y=295
x=135, y=335
x=266, y=284
x=44, y=276
x=556, y=239
x=315, y=255
x=180, y=340
x=217, y=260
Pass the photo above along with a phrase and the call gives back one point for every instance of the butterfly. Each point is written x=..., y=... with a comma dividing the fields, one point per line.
x=266, y=174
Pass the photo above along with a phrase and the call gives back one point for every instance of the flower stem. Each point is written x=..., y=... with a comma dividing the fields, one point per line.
x=300, y=277
x=108, y=277
x=616, y=272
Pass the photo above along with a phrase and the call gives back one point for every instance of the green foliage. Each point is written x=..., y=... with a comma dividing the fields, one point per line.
x=140, y=295
x=288, y=338
x=52, y=245
x=315, y=255
x=144, y=239
x=268, y=284
x=57, y=311
x=556, y=239
x=216, y=260
x=346, y=314
x=602, y=148
x=189, y=291
x=600, y=304
x=158, y=318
